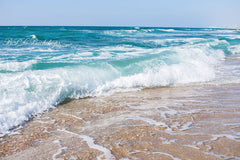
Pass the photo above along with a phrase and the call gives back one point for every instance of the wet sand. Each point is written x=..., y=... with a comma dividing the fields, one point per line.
x=186, y=122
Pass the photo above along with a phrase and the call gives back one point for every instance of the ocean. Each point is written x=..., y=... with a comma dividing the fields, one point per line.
x=41, y=67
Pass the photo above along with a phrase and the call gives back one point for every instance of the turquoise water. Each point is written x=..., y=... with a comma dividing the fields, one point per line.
x=42, y=66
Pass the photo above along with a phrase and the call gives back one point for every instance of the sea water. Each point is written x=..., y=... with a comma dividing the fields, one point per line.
x=40, y=67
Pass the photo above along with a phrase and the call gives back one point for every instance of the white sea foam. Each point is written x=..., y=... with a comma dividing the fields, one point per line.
x=166, y=42
x=167, y=154
x=212, y=31
x=150, y=121
x=194, y=66
x=30, y=92
x=90, y=141
x=60, y=150
x=120, y=32
x=104, y=53
x=226, y=31
x=33, y=91
x=33, y=36
x=16, y=66
x=167, y=30
x=233, y=36
x=66, y=114
x=136, y=30
x=235, y=49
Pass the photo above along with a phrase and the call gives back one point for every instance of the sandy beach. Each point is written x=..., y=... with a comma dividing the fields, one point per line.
x=184, y=122
x=119, y=80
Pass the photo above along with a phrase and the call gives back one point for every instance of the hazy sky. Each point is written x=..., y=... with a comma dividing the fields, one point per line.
x=185, y=13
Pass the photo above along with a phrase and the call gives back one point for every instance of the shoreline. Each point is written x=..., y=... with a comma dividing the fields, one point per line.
x=69, y=100
x=183, y=122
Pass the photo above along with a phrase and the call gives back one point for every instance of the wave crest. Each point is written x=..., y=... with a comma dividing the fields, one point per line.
x=16, y=66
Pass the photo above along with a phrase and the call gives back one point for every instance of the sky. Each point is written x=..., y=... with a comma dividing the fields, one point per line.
x=160, y=13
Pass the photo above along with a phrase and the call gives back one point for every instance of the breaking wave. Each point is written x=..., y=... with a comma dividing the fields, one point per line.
x=39, y=74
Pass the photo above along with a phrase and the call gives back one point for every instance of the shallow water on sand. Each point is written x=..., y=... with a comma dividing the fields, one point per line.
x=184, y=122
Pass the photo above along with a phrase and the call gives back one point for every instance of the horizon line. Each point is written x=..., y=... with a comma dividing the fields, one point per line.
x=220, y=27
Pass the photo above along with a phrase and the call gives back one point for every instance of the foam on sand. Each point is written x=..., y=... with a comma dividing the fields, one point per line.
x=90, y=141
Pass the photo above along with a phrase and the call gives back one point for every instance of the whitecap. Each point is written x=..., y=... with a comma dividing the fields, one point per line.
x=167, y=30
x=16, y=66
x=33, y=36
